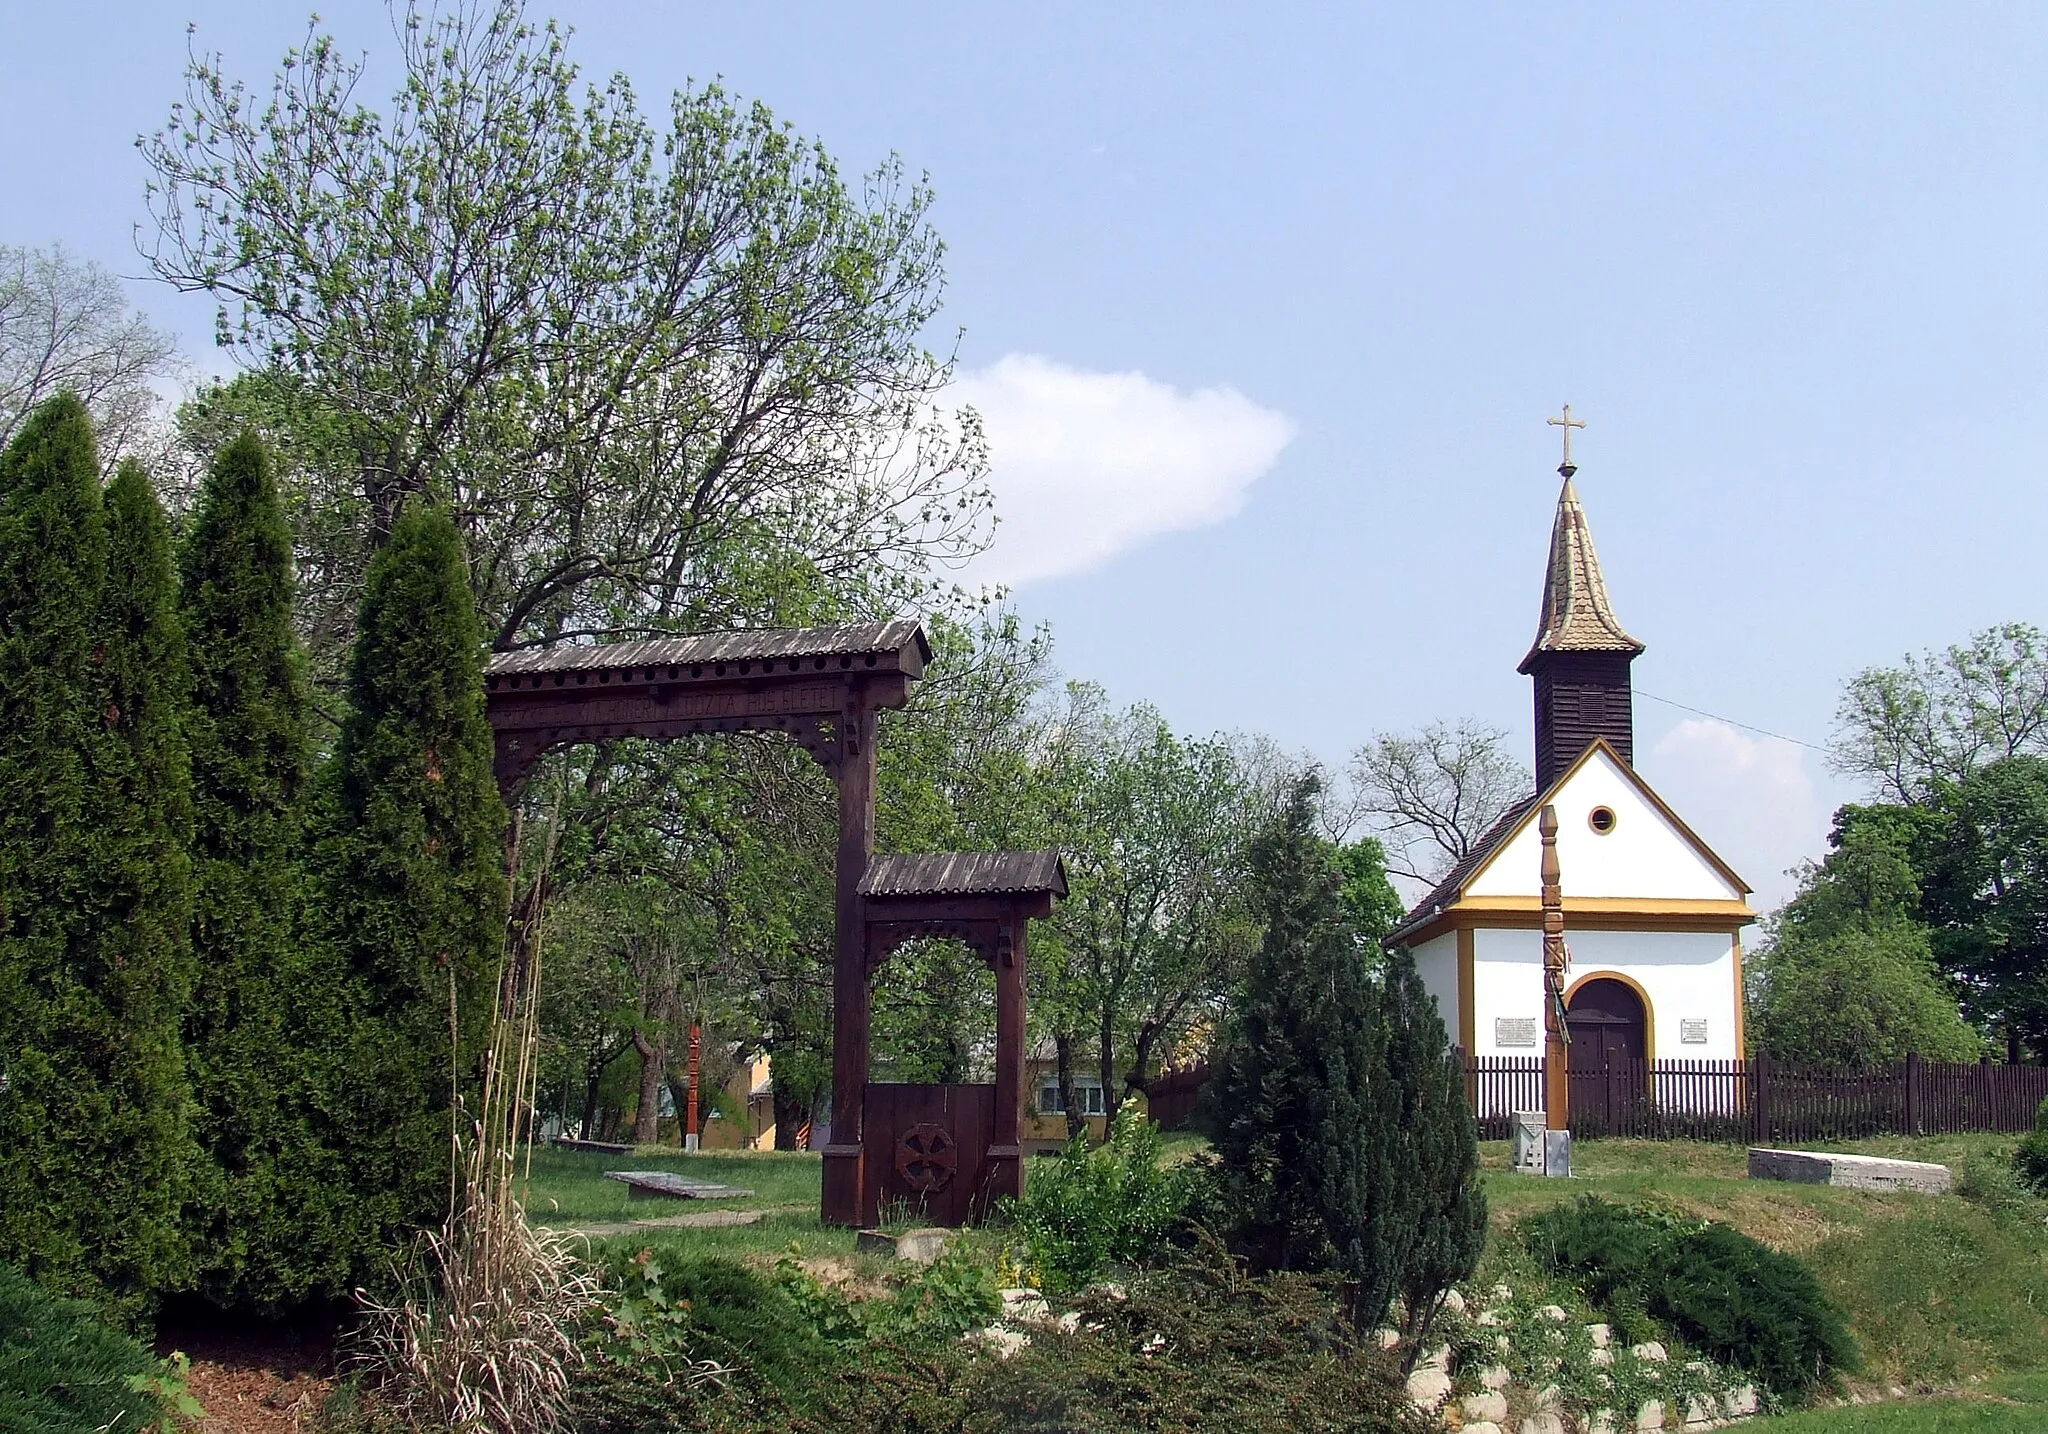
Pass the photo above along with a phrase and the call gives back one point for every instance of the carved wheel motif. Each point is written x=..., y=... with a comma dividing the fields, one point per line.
x=926, y=1157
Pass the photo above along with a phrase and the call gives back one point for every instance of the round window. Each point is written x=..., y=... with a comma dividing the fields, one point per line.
x=1601, y=820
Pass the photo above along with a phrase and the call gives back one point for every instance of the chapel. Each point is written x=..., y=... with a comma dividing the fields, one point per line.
x=1653, y=918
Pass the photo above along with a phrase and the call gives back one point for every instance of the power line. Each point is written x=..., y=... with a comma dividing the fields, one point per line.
x=1717, y=717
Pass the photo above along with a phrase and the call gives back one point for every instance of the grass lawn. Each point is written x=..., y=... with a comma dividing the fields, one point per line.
x=2014, y=1405
x=1938, y=1288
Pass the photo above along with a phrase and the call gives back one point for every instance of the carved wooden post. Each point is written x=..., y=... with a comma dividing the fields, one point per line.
x=840, y=1198
x=1557, y=1089
x=1006, y=1138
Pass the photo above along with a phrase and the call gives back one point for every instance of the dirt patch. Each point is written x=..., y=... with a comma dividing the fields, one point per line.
x=255, y=1381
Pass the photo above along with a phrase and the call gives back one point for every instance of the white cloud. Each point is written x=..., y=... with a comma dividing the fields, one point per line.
x=1753, y=799
x=1086, y=465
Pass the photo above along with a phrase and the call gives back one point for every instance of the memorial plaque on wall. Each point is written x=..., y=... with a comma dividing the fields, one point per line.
x=1514, y=1031
x=1692, y=1033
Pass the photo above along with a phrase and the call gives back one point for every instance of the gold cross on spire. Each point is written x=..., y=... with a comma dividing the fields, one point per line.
x=1567, y=423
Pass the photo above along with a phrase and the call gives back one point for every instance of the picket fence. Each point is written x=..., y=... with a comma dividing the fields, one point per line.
x=1761, y=1101
x=1757, y=1101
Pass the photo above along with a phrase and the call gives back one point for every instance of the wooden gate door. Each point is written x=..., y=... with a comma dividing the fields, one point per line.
x=1609, y=1042
x=926, y=1152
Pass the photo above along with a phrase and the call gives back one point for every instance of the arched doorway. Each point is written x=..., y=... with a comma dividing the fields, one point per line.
x=1609, y=1054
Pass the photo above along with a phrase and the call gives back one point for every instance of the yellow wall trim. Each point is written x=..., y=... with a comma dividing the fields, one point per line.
x=1587, y=913
x=1468, y=1018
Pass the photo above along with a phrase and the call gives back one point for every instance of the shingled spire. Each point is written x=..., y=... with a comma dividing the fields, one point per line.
x=1581, y=655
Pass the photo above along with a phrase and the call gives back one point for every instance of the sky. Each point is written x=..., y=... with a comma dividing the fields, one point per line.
x=1265, y=308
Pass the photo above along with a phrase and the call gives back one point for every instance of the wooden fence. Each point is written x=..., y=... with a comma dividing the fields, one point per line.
x=1761, y=1101
x=1170, y=1098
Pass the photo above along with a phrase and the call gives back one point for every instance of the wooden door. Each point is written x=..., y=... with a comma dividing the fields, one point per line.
x=1607, y=1056
x=925, y=1152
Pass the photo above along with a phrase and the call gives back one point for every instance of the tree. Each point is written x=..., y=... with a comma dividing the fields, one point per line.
x=254, y=1079
x=1846, y=975
x=1938, y=717
x=1432, y=794
x=93, y=883
x=410, y=863
x=65, y=326
x=661, y=380
x=1434, y=1127
x=1983, y=866
x=1301, y=1108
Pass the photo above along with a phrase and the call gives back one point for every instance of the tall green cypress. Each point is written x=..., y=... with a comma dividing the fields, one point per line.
x=1443, y=1160
x=52, y=561
x=260, y=1220
x=411, y=873
x=94, y=882
x=1300, y=1109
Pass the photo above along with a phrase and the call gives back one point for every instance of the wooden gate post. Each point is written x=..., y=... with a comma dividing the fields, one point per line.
x=839, y=1199
x=1006, y=1135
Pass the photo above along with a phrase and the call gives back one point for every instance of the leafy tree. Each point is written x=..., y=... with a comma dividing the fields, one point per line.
x=1433, y=793
x=663, y=379
x=1376, y=908
x=65, y=327
x=93, y=816
x=1982, y=859
x=411, y=869
x=254, y=1069
x=1846, y=976
x=1938, y=717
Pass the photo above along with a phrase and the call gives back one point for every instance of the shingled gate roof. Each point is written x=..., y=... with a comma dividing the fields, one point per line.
x=953, y=873
x=819, y=645
x=1576, y=614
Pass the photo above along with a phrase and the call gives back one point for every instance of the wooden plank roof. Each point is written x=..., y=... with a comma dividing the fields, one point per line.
x=954, y=873
x=903, y=639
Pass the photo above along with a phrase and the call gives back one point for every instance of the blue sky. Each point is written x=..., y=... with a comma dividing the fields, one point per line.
x=1267, y=306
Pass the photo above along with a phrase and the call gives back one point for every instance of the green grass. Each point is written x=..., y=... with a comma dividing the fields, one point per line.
x=569, y=1187
x=2014, y=1405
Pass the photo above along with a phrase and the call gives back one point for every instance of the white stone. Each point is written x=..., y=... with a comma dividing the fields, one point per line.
x=1554, y=1313
x=1547, y=1398
x=1601, y=1421
x=1494, y=1376
x=1428, y=1388
x=1387, y=1338
x=1484, y=1405
x=1489, y=1319
x=1697, y=1413
x=1601, y=1335
x=1439, y=1358
x=1454, y=1302
x=1650, y=1416
x=1854, y=1172
x=1004, y=1340
x=1070, y=1321
x=1652, y=1351
x=1544, y=1422
x=1601, y=1357
x=1024, y=1306
x=1481, y=1426
x=1740, y=1402
x=1502, y=1292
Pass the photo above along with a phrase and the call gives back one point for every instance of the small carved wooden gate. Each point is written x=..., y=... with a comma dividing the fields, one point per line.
x=945, y=1152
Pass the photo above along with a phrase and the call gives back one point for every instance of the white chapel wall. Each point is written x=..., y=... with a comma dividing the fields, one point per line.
x=1690, y=976
x=1437, y=963
x=1644, y=855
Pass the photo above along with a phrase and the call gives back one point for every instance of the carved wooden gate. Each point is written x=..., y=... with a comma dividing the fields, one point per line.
x=927, y=1152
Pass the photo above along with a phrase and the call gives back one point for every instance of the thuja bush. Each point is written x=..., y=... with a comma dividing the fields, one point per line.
x=94, y=886
x=408, y=888
x=1735, y=1300
x=1089, y=1210
x=63, y=1370
x=2030, y=1161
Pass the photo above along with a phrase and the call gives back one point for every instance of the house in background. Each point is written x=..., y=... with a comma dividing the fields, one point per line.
x=1653, y=918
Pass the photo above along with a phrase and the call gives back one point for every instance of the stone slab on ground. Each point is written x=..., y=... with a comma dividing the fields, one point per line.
x=921, y=1246
x=660, y=1184
x=1853, y=1172
x=702, y=1220
x=592, y=1147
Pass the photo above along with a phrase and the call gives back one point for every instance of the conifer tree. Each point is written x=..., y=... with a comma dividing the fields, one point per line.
x=258, y=1222
x=411, y=874
x=94, y=883
x=1449, y=1205
x=1300, y=1109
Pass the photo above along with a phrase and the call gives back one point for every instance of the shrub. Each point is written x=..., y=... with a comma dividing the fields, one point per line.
x=64, y=1372
x=1089, y=1209
x=1733, y=1299
x=2030, y=1161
